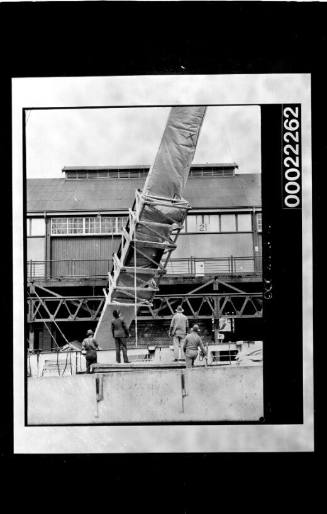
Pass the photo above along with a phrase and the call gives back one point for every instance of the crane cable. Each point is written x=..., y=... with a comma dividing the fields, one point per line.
x=135, y=293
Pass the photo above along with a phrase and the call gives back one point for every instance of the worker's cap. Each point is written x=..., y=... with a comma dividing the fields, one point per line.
x=196, y=328
x=90, y=332
x=179, y=309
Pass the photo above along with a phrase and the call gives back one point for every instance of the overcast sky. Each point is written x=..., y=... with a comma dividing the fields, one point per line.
x=130, y=136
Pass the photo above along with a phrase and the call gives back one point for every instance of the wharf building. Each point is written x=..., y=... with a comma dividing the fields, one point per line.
x=74, y=226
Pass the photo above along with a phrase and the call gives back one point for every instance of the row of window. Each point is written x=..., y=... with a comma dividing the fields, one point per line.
x=90, y=225
x=124, y=173
x=219, y=223
x=114, y=224
x=212, y=172
x=143, y=172
x=222, y=223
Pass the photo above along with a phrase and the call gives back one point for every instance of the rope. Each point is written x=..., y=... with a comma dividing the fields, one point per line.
x=68, y=352
x=56, y=344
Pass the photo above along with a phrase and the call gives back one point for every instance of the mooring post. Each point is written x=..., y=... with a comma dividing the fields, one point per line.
x=183, y=388
x=98, y=392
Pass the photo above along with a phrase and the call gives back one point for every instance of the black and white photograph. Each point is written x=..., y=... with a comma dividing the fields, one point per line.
x=154, y=226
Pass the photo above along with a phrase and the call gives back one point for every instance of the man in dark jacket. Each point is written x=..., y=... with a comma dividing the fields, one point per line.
x=119, y=332
x=89, y=349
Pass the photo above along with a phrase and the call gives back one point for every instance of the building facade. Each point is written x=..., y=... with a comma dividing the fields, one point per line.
x=74, y=225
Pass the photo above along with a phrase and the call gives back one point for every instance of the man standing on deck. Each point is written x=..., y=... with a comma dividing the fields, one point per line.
x=191, y=344
x=178, y=330
x=119, y=333
x=89, y=349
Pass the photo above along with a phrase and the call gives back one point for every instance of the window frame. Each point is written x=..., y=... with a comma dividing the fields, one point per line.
x=237, y=221
x=29, y=227
x=230, y=214
x=258, y=224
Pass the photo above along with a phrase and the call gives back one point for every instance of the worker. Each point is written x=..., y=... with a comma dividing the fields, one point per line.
x=89, y=349
x=178, y=330
x=119, y=333
x=191, y=344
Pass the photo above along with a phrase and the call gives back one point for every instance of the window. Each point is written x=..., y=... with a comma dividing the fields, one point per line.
x=203, y=223
x=228, y=222
x=35, y=227
x=259, y=221
x=59, y=226
x=92, y=225
x=75, y=225
x=88, y=226
x=121, y=222
x=208, y=171
x=108, y=225
x=214, y=222
x=244, y=223
x=102, y=174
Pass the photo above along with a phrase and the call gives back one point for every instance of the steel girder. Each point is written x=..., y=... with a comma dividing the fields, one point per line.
x=199, y=306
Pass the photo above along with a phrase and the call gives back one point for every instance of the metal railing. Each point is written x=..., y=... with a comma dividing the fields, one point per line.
x=68, y=268
x=208, y=266
x=99, y=268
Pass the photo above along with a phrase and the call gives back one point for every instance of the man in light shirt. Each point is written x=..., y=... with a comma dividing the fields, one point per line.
x=192, y=343
x=178, y=330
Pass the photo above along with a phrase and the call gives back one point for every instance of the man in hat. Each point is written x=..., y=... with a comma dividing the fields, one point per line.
x=89, y=349
x=178, y=330
x=191, y=344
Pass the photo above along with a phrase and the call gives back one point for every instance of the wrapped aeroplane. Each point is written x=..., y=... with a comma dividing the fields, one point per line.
x=154, y=223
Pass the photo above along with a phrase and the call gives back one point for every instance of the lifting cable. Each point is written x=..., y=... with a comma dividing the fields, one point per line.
x=135, y=293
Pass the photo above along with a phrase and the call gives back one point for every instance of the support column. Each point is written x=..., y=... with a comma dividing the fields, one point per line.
x=216, y=308
x=31, y=337
x=255, y=242
x=47, y=245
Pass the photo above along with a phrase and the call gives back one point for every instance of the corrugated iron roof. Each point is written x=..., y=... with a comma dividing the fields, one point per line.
x=242, y=190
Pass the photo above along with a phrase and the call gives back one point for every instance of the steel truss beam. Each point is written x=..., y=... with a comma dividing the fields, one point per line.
x=196, y=306
x=73, y=308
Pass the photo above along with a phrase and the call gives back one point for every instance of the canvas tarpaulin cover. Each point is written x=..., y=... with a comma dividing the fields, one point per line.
x=169, y=172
